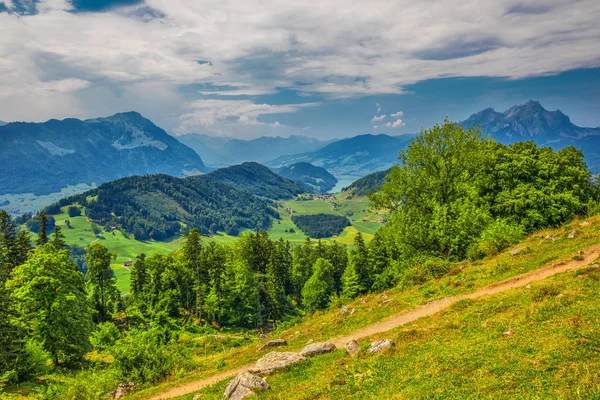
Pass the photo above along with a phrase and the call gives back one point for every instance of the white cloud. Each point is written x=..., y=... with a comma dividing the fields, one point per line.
x=378, y=107
x=394, y=124
x=215, y=114
x=398, y=114
x=378, y=118
x=254, y=48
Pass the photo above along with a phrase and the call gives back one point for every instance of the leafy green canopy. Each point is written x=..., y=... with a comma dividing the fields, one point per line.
x=452, y=184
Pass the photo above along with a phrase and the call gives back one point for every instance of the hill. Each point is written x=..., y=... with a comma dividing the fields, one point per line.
x=159, y=206
x=531, y=121
x=352, y=157
x=43, y=158
x=224, y=151
x=317, y=178
x=2, y=123
x=259, y=180
x=366, y=184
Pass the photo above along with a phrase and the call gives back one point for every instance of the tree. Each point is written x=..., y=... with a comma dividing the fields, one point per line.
x=49, y=294
x=318, y=289
x=42, y=219
x=191, y=251
x=8, y=240
x=101, y=280
x=301, y=268
x=434, y=194
x=278, y=279
x=359, y=257
x=24, y=246
x=351, y=286
x=139, y=277
x=58, y=239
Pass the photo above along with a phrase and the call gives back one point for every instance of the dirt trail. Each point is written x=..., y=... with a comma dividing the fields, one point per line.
x=404, y=318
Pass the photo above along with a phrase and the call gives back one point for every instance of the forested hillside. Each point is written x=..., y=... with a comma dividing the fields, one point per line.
x=318, y=179
x=455, y=198
x=367, y=184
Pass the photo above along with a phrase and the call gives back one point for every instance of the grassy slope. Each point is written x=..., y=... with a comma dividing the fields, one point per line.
x=464, y=278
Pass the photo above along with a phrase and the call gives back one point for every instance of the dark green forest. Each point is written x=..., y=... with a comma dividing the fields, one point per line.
x=367, y=184
x=454, y=195
x=320, y=226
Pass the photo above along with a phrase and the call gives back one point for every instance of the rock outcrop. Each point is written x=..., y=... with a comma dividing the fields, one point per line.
x=273, y=343
x=381, y=345
x=274, y=361
x=352, y=347
x=243, y=386
x=317, y=348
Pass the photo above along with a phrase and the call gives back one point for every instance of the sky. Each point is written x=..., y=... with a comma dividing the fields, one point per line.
x=325, y=69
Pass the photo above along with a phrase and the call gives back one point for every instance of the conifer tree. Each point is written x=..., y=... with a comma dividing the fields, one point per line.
x=318, y=289
x=351, y=286
x=102, y=280
x=42, y=219
x=192, y=250
x=58, y=239
x=360, y=259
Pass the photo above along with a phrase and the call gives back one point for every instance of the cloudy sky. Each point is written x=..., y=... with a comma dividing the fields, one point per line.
x=327, y=68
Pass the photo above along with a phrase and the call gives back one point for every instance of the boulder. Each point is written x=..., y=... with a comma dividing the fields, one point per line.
x=122, y=390
x=243, y=386
x=352, y=347
x=381, y=345
x=274, y=361
x=517, y=251
x=572, y=235
x=344, y=310
x=317, y=348
x=273, y=343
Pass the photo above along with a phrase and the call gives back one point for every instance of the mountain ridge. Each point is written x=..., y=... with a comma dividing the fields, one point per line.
x=44, y=157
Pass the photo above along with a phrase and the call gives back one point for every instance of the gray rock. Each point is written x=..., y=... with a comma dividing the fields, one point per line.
x=352, y=347
x=274, y=361
x=273, y=343
x=243, y=386
x=317, y=348
x=122, y=390
x=572, y=235
x=517, y=251
x=344, y=310
x=381, y=345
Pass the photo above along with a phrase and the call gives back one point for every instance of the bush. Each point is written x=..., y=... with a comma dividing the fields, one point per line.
x=74, y=211
x=106, y=335
x=496, y=237
x=147, y=359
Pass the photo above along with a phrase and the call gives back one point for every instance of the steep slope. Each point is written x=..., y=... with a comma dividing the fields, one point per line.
x=354, y=157
x=531, y=121
x=44, y=157
x=317, y=178
x=367, y=184
x=224, y=151
x=259, y=180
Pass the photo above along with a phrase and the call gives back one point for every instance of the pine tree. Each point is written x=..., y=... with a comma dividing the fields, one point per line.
x=278, y=278
x=24, y=246
x=139, y=277
x=8, y=240
x=192, y=250
x=102, y=280
x=318, y=289
x=301, y=268
x=58, y=239
x=42, y=234
x=360, y=259
x=351, y=282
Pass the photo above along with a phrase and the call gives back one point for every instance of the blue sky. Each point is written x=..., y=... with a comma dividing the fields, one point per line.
x=324, y=68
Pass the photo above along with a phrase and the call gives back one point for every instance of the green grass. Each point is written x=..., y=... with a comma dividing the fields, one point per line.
x=553, y=351
x=463, y=278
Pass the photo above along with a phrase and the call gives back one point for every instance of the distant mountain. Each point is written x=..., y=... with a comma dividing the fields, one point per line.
x=352, y=157
x=367, y=184
x=44, y=157
x=224, y=151
x=317, y=178
x=258, y=180
x=531, y=121
x=156, y=206
x=2, y=123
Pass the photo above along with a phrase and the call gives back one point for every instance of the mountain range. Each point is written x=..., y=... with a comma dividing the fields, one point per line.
x=531, y=121
x=352, y=157
x=219, y=151
x=42, y=158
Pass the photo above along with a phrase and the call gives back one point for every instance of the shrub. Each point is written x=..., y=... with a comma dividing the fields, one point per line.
x=496, y=237
x=105, y=335
x=74, y=211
